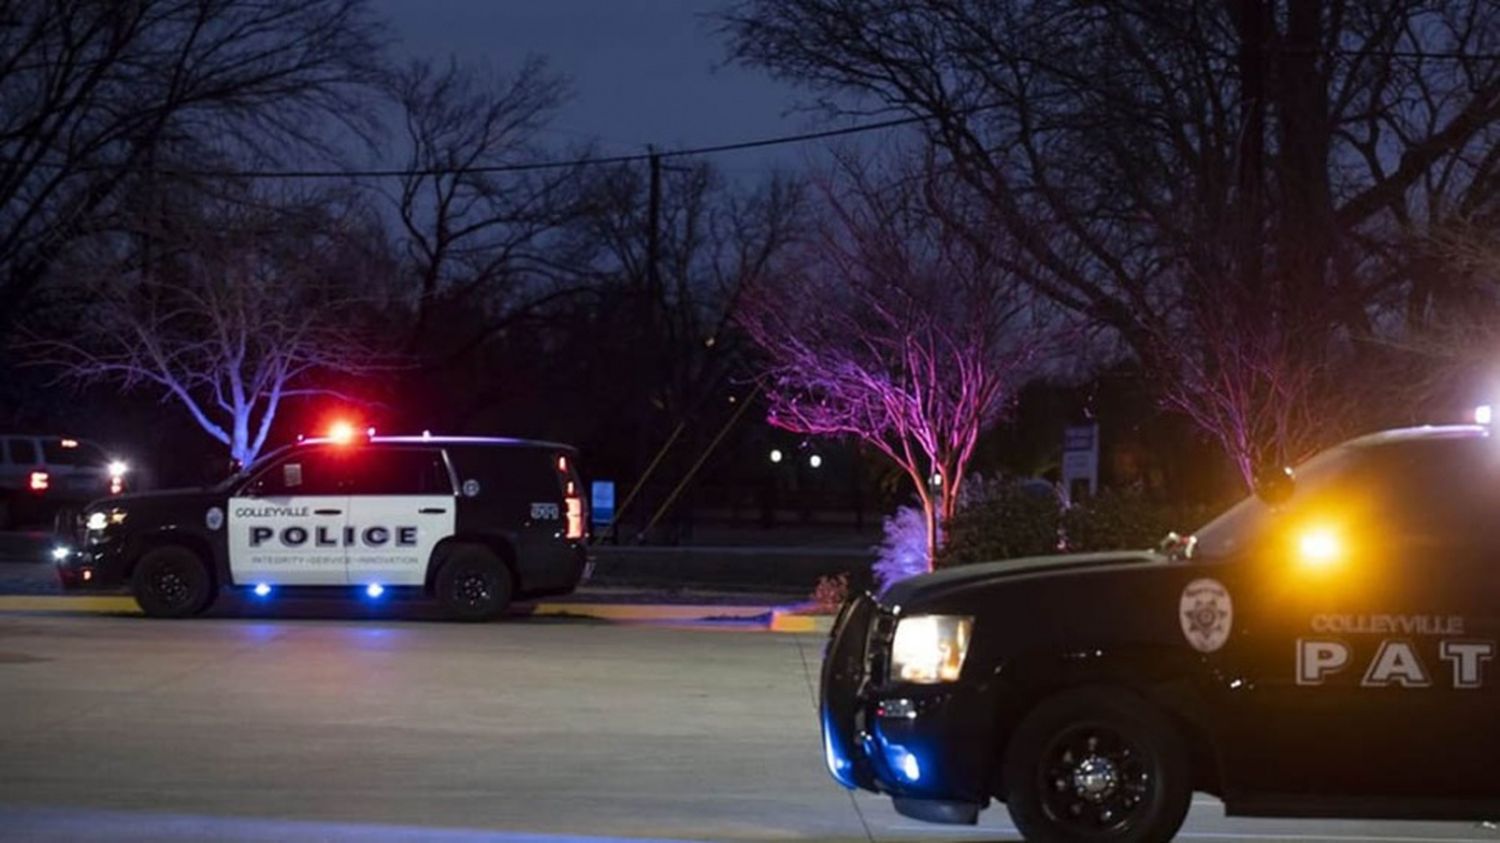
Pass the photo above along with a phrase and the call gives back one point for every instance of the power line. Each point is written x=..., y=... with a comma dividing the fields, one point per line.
x=536, y=166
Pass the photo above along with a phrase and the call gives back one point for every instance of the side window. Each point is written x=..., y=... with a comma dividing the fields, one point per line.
x=1439, y=495
x=22, y=452
x=304, y=472
x=401, y=471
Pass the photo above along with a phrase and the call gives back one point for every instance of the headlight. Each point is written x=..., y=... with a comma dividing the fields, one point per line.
x=100, y=519
x=930, y=648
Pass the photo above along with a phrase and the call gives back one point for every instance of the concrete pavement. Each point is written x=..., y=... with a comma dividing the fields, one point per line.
x=536, y=730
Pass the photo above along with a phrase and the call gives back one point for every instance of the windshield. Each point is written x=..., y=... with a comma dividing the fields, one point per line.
x=72, y=452
x=1237, y=526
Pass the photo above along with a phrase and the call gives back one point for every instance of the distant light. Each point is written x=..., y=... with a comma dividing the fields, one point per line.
x=733, y=399
x=937, y=479
x=97, y=521
x=562, y=463
x=117, y=468
x=815, y=461
x=370, y=432
x=1320, y=546
x=426, y=434
x=262, y=589
x=341, y=432
x=60, y=553
x=69, y=443
x=776, y=455
x=374, y=589
x=1483, y=414
x=40, y=481
x=88, y=574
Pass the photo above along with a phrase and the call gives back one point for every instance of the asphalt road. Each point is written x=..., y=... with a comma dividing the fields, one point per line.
x=235, y=729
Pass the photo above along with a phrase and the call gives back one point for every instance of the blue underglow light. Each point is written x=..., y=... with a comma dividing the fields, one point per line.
x=262, y=589
x=374, y=589
x=833, y=756
x=903, y=762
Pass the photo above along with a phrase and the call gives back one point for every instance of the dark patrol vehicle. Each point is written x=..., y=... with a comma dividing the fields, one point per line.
x=1323, y=649
x=471, y=521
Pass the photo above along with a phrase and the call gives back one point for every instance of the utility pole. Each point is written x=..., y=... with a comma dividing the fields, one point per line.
x=653, y=230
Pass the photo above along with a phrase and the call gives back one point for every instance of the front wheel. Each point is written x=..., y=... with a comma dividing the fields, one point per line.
x=1097, y=764
x=473, y=585
x=172, y=582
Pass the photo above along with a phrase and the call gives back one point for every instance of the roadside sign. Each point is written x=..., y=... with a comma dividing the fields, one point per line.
x=602, y=502
x=1080, y=460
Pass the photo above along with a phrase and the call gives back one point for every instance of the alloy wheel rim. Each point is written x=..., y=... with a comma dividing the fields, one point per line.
x=171, y=586
x=1094, y=780
x=473, y=589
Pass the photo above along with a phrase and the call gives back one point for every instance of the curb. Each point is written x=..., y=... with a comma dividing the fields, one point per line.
x=759, y=618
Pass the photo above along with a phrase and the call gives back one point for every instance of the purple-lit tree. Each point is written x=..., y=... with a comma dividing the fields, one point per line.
x=234, y=312
x=890, y=327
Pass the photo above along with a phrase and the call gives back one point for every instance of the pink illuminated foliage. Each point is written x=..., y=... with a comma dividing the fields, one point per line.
x=890, y=327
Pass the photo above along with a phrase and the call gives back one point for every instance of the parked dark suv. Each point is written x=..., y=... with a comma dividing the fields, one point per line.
x=41, y=475
x=1325, y=649
x=471, y=521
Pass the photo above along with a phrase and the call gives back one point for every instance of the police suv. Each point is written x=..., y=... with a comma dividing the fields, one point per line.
x=1325, y=648
x=470, y=521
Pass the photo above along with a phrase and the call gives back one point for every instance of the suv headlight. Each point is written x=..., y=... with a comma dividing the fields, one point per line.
x=929, y=649
x=99, y=519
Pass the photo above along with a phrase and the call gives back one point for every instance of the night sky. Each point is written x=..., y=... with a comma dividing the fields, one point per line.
x=642, y=71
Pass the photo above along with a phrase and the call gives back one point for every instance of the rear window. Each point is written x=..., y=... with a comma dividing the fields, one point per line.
x=21, y=451
x=512, y=477
x=60, y=452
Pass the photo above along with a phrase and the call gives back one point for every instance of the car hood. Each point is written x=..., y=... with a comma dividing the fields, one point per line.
x=929, y=586
x=157, y=498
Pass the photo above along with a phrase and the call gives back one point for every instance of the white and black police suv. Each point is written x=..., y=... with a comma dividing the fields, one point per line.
x=1325, y=648
x=471, y=521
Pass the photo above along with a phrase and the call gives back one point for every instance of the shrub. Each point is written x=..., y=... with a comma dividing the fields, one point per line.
x=902, y=552
x=830, y=593
x=1002, y=519
x=1126, y=520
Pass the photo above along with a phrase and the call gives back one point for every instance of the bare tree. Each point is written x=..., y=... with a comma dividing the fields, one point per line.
x=482, y=244
x=97, y=96
x=250, y=308
x=892, y=328
x=1175, y=171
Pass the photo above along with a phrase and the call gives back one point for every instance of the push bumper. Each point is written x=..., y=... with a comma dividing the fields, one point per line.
x=95, y=568
x=925, y=746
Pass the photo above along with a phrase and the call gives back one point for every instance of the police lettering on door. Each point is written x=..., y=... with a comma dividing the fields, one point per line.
x=1413, y=651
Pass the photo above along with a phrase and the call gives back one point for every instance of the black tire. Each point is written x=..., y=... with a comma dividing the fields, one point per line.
x=1097, y=763
x=473, y=585
x=172, y=582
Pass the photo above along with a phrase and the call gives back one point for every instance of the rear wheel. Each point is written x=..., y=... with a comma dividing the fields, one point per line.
x=1097, y=764
x=473, y=584
x=172, y=582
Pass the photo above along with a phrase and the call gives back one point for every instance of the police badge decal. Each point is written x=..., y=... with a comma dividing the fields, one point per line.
x=1207, y=614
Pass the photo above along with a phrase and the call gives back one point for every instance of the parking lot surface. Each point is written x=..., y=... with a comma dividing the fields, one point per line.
x=243, y=729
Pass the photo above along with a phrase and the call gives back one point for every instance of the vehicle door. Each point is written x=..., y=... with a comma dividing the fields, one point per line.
x=289, y=524
x=1369, y=632
x=401, y=506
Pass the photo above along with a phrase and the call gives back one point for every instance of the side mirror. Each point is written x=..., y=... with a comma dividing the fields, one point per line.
x=1275, y=486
